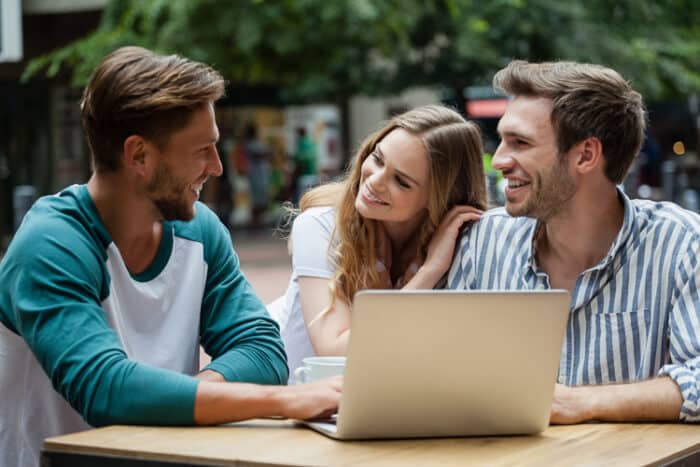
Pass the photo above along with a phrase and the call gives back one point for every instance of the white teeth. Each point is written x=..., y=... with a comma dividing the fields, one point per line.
x=516, y=184
x=372, y=197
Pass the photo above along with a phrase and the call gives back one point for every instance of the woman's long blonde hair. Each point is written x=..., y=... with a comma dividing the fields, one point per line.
x=456, y=176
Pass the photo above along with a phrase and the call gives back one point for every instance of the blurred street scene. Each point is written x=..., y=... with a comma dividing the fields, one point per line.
x=264, y=261
x=308, y=81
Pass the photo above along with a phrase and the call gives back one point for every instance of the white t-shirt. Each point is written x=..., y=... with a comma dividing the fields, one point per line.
x=311, y=236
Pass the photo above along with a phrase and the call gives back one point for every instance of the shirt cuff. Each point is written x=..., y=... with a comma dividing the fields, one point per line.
x=687, y=381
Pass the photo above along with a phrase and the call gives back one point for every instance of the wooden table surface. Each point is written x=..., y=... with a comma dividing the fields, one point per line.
x=274, y=442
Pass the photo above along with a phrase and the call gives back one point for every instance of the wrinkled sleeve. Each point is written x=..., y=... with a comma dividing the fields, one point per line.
x=684, y=330
x=236, y=329
x=311, y=240
x=57, y=280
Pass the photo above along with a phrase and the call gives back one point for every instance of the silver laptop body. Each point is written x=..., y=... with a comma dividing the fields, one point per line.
x=438, y=363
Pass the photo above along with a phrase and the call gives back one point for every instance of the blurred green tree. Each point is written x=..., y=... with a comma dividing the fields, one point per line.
x=321, y=50
x=311, y=49
x=654, y=43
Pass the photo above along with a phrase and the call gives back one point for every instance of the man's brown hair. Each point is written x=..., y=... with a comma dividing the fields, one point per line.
x=137, y=92
x=587, y=100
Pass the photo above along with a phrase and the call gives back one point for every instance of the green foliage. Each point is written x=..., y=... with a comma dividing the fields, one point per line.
x=319, y=49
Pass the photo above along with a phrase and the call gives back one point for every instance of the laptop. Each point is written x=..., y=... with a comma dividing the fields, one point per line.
x=446, y=363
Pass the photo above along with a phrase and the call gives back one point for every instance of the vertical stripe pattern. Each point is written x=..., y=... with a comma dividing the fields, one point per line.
x=634, y=316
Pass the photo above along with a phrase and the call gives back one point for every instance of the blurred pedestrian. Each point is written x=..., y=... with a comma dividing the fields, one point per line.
x=258, y=155
x=306, y=162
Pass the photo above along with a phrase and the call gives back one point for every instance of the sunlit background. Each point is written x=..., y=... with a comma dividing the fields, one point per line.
x=335, y=69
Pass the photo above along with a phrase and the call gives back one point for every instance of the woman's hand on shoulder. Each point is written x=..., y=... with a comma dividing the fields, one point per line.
x=442, y=245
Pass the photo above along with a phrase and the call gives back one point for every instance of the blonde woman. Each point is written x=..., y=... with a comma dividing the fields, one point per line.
x=391, y=223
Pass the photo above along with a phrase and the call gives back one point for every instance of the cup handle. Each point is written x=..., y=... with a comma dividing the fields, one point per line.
x=300, y=374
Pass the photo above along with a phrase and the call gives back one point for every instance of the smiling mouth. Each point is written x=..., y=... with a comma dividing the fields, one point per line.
x=373, y=198
x=517, y=184
x=197, y=189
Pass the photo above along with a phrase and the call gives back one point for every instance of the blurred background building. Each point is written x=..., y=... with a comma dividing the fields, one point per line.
x=331, y=72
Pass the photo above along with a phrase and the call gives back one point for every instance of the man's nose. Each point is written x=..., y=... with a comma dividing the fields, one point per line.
x=215, y=166
x=501, y=158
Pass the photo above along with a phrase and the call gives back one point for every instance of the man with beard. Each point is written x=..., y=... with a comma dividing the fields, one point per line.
x=632, y=344
x=108, y=289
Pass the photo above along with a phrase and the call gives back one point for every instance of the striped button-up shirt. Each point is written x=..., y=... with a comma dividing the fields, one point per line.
x=633, y=316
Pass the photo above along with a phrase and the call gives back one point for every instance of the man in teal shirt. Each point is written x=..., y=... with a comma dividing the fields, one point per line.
x=109, y=288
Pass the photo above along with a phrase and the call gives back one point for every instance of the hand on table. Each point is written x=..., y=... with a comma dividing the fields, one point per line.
x=569, y=405
x=312, y=400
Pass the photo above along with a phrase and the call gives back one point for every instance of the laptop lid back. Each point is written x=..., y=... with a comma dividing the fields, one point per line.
x=451, y=363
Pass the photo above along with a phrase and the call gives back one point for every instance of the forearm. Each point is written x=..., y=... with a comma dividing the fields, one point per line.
x=333, y=345
x=231, y=402
x=657, y=399
x=426, y=278
x=217, y=402
x=328, y=327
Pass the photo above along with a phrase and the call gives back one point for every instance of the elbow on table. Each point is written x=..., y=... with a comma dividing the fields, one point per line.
x=103, y=414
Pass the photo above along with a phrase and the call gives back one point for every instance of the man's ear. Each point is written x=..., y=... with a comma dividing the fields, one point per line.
x=134, y=154
x=588, y=155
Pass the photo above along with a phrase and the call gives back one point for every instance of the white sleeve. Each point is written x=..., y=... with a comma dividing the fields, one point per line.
x=311, y=236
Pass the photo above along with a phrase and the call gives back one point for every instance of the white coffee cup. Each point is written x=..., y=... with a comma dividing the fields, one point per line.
x=316, y=368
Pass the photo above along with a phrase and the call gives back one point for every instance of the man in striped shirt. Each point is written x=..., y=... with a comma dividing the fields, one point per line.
x=632, y=344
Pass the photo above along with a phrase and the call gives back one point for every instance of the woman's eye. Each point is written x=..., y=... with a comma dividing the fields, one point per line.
x=402, y=182
x=376, y=158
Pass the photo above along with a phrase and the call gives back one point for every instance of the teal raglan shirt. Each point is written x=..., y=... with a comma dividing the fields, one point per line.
x=55, y=279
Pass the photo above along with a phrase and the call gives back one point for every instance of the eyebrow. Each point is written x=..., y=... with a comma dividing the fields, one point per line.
x=206, y=144
x=403, y=174
x=513, y=134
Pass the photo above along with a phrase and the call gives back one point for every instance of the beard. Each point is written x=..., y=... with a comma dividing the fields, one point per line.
x=550, y=192
x=169, y=195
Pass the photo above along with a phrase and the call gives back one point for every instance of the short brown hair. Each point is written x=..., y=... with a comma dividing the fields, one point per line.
x=135, y=91
x=587, y=100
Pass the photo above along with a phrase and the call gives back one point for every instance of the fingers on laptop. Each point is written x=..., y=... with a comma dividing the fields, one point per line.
x=313, y=400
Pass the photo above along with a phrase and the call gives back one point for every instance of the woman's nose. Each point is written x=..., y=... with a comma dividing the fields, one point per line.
x=378, y=179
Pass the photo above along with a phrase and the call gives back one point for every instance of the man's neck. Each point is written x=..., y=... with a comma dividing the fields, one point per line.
x=580, y=236
x=130, y=219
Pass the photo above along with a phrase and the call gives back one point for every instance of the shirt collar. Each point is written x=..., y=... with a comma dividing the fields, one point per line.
x=531, y=253
x=625, y=231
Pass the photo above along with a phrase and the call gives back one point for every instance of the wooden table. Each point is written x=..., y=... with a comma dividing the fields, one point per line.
x=273, y=443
